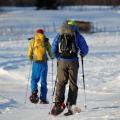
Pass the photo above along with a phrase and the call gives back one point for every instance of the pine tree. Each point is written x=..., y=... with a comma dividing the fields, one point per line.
x=46, y=4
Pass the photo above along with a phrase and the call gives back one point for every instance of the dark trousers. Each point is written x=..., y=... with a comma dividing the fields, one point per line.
x=67, y=71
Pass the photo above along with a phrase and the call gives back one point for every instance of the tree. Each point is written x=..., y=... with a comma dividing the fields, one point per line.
x=46, y=4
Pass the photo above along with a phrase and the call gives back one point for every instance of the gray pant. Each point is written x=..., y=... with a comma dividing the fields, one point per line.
x=67, y=71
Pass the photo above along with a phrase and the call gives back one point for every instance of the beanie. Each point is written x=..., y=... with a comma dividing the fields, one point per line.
x=39, y=34
x=40, y=31
x=72, y=22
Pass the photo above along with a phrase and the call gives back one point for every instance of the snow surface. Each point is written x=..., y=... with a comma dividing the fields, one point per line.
x=101, y=65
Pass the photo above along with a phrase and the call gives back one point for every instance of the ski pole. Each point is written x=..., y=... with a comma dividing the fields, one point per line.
x=83, y=81
x=29, y=75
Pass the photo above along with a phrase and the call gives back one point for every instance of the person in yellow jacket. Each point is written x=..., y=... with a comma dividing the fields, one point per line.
x=38, y=51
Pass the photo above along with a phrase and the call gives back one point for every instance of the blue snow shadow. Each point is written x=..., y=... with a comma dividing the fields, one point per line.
x=11, y=103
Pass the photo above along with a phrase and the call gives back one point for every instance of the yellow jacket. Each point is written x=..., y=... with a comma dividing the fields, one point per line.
x=33, y=48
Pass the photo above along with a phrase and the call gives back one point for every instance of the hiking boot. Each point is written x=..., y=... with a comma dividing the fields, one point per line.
x=58, y=108
x=44, y=102
x=34, y=97
x=70, y=112
x=69, y=107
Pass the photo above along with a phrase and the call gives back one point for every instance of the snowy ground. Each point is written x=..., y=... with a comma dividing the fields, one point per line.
x=102, y=68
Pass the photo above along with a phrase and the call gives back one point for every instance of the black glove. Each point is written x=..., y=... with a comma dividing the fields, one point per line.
x=81, y=55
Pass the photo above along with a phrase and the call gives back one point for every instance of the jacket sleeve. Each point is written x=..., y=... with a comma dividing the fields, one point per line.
x=82, y=45
x=48, y=47
x=30, y=50
x=55, y=46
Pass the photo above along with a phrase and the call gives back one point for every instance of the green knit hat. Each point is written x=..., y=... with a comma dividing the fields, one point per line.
x=72, y=22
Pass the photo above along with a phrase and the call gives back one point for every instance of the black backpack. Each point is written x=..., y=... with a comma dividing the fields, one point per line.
x=67, y=46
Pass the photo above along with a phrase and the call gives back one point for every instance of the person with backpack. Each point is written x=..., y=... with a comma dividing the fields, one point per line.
x=66, y=47
x=38, y=48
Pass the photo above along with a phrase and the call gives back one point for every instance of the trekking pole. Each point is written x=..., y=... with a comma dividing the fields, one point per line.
x=52, y=74
x=53, y=88
x=29, y=75
x=53, y=92
x=83, y=81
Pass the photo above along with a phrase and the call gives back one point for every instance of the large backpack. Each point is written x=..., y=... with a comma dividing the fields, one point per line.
x=39, y=50
x=67, y=43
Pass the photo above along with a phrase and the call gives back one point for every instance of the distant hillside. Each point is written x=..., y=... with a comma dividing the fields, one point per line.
x=93, y=2
x=59, y=2
x=17, y=2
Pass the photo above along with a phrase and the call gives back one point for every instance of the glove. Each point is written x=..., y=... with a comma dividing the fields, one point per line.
x=81, y=55
x=31, y=58
x=52, y=57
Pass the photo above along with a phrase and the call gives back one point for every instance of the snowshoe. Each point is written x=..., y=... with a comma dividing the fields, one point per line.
x=58, y=108
x=34, y=98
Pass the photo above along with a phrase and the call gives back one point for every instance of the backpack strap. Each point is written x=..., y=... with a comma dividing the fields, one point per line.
x=33, y=44
x=46, y=39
